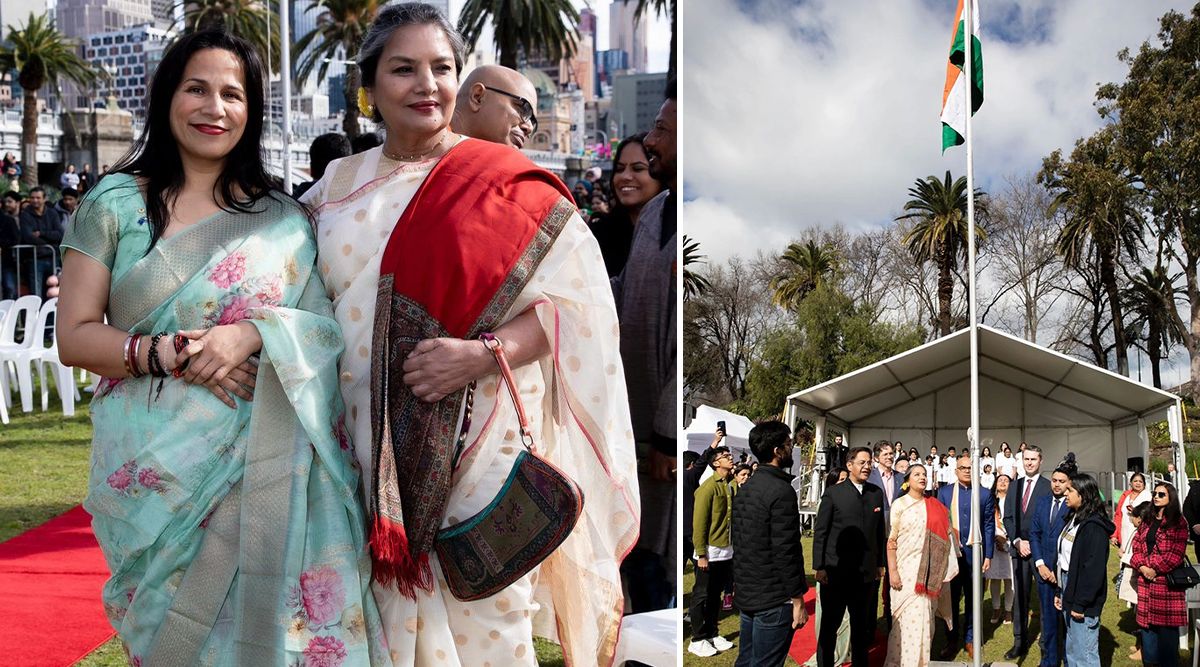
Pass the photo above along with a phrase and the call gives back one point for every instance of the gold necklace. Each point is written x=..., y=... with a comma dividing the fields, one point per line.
x=415, y=156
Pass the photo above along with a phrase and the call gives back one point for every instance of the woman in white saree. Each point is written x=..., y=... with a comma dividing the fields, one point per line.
x=451, y=237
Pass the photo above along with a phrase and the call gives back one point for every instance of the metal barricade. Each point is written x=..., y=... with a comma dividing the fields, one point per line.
x=39, y=281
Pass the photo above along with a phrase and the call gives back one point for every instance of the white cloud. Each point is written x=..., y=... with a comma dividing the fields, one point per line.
x=827, y=111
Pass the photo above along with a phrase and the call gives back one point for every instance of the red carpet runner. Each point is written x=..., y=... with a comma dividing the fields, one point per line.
x=804, y=642
x=50, y=580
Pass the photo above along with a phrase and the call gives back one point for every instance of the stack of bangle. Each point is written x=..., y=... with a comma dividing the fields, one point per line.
x=133, y=346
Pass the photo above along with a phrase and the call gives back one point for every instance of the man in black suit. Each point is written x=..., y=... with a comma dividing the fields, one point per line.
x=848, y=556
x=1019, y=506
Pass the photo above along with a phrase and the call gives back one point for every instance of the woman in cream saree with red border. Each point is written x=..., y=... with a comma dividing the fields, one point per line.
x=455, y=247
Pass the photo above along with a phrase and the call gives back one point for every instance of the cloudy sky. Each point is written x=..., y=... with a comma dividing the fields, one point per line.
x=802, y=113
x=815, y=112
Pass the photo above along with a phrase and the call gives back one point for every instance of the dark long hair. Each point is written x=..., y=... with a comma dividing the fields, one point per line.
x=1172, y=513
x=1090, y=503
x=154, y=157
x=619, y=209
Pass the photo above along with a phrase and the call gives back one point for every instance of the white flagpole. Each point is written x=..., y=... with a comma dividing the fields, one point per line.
x=285, y=69
x=974, y=539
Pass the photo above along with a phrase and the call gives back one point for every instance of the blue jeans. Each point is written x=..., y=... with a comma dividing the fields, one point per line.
x=765, y=637
x=1160, y=645
x=1050, y=643
x=1083, y=638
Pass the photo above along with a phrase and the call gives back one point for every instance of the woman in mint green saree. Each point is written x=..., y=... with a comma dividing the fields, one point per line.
x=223, y=493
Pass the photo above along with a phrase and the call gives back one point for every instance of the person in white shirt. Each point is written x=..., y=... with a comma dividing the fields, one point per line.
x=1006, y=464
x=986, y=460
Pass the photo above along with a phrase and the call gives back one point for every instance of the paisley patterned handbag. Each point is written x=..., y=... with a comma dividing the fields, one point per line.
x=533, y=513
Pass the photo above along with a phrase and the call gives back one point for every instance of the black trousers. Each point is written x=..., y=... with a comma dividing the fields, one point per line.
x=1024, y=589
x=960, y=589
x=847, y=591
x=706, y=597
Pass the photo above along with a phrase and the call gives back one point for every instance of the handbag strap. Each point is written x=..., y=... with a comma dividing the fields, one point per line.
x=497, y=349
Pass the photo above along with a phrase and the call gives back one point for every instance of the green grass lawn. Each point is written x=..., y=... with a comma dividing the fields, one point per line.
x=1117, y=623
x=43, y=473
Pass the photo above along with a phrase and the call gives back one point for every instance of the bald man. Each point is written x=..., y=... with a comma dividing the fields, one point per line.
x=496, y=104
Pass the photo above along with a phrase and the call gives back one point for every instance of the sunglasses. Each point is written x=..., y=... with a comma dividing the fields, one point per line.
x=524, y=108
x=1160, y=494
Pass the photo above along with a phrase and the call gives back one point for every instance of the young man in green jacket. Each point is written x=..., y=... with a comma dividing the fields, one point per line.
x=713, y=554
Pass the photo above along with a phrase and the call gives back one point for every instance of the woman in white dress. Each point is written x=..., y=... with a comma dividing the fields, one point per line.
x=432, y=247
x=1000, y=573
x=986, y=460
x=1006, y=464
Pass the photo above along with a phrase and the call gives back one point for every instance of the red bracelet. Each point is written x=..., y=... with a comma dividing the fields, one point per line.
x=180, y=343
x=134, y=349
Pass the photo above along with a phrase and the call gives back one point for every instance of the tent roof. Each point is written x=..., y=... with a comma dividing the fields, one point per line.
x=1003, y=358
x=699, y=433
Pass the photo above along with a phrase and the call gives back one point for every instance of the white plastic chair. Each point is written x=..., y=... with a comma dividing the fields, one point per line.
x=64, y=376
x=20, y=356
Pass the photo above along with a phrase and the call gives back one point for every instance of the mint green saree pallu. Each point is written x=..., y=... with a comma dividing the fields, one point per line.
x=234, y=537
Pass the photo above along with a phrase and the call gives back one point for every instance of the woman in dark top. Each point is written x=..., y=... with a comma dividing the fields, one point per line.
x=1083, y=570
x=1158, y=548
x=633, y=186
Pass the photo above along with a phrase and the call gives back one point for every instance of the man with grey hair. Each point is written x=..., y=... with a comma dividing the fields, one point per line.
x=496, y=104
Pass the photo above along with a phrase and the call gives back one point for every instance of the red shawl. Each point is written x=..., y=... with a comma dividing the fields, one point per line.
x=935, y=556
x=469, y=241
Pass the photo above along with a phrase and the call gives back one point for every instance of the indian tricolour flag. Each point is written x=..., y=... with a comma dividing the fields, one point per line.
x=954, y=98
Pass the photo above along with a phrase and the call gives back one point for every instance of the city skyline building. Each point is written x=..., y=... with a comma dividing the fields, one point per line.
x=81, y=18
x=126, y=55
x=636, y=100
x=628, y=34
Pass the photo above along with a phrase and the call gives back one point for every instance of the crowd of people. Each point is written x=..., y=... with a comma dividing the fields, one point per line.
x=432, y=318
x=886, y=534
x=32, y=227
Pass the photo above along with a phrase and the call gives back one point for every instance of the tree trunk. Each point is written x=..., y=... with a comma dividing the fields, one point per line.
x=671, y=64
x=1191, y=338
x=1154, y=351
x=945, y=289
x=350, y=92
x=508, y=57
x=29, y=126
x=1108, y=275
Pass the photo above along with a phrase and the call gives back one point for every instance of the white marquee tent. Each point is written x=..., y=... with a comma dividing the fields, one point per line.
x=702, y=427
x=1027, y=393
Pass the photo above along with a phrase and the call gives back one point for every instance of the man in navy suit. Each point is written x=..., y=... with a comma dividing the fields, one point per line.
x=1019, y=506
x=957, y=498
x=1048, y=522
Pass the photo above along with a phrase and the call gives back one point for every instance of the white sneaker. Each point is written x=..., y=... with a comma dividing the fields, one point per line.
x=702, y=648
x=721, y=644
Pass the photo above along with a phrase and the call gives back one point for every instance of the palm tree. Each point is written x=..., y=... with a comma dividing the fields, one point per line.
x=40, y=55
x=341, y=26
x=808, y=266
x=694, y=284
x=1099, y=203
x=939, y=207
x=1151, y=297
x=244, y=18
x=660, y=7
x=532, y=28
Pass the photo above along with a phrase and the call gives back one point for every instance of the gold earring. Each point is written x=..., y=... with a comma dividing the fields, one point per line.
x=364, y=105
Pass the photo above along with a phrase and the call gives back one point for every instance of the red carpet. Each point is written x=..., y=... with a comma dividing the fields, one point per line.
x=804, y=642
x=50, y=580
